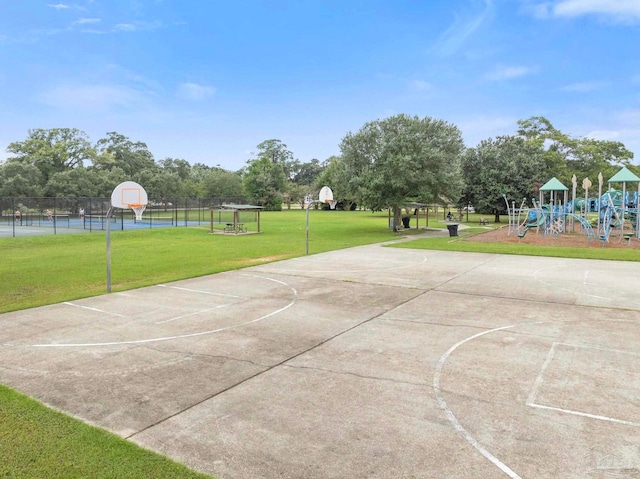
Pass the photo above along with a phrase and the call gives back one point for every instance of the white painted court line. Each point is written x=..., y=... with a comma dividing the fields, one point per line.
x=68, y=303
x=452, y=418
x=584, y=414
x=539, y=380
x=531, y=400
x=182, y=336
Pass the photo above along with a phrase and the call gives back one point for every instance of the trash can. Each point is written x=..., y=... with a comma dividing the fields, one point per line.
x=453, y=229
x=405, y=221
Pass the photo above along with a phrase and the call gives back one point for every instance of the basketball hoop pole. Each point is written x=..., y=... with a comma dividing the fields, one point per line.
x=109, y=213
x=308, y=208
x=324, y=196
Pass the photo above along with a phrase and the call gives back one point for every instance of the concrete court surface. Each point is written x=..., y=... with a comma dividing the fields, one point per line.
x=369, y=362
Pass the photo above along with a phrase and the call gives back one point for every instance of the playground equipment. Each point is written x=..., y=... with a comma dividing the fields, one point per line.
x=514, y=214
x=614, y=211
x=552, y=220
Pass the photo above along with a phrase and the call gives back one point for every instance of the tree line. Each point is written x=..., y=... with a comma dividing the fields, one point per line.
x=387, y=163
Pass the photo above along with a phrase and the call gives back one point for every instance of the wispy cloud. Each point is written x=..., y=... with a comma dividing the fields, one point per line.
x=195, y=91
x=87, y=21
x=508, y=72
x=462, y=28
x=137, y=26
x=584, y=87
x=58, y=6
x=621, y=11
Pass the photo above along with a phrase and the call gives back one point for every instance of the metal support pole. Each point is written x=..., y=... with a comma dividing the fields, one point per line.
x=109, y=212
x=308, y=207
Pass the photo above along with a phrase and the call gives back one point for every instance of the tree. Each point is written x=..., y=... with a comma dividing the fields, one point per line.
x=181, y=167
x=277, y=152
x=118, y=150
x=308, y=173
x=159, y=183
x=565, y=156
x=220, y=183
x=335, y=176
x=507, y=166
x=390, y=162
x=20, y=179
x=53, y=150
x=264, y=181
x=296, y=193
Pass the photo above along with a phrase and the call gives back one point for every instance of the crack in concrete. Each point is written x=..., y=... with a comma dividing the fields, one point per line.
x=361, y=376
x=212, y=356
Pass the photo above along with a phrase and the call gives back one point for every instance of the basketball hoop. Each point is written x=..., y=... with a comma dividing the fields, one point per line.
x=332, y=203
x=138, y=209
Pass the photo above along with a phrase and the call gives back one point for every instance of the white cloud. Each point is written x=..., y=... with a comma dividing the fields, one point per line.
x=58, y=6
x=136, y=26
x=195, y=91
x=622, y=11
x=87, y=21
x=125, y=27
x=619, y=9
x=584, y=87
x=506, y=72
x=463, y=27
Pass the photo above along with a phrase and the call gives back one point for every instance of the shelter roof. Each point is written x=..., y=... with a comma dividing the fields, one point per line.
x=624, y=176
x=554, y=184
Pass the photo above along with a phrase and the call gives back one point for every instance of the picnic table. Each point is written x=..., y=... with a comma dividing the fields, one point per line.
x=231, y=228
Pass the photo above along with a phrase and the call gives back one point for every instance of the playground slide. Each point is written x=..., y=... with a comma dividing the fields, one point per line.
x=539, y=221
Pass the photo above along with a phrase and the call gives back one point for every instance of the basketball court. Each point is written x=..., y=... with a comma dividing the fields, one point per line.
x=367, y=362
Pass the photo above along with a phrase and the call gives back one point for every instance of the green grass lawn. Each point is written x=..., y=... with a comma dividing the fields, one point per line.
x=458, y=244
x=41, y=270
x=37, y=442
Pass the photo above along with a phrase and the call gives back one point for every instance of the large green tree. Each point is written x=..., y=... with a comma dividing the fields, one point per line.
x=565, y=155
x=336, y=176
x=308, y=173
x=220, y=183
x=278, y=153
x=402, y=158
x=117, y=150
x=53, y=150
x=81, y=182
x=264, y=182
x=507, y=166
x=20, y=179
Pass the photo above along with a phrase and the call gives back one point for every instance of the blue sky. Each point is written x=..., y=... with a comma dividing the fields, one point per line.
x=207, y=81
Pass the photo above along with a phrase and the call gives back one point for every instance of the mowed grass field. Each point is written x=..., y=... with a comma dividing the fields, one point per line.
x=37, y=442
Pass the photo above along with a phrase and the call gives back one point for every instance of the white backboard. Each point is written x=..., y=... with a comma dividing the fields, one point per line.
x=325, y=195
x=128, y=193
